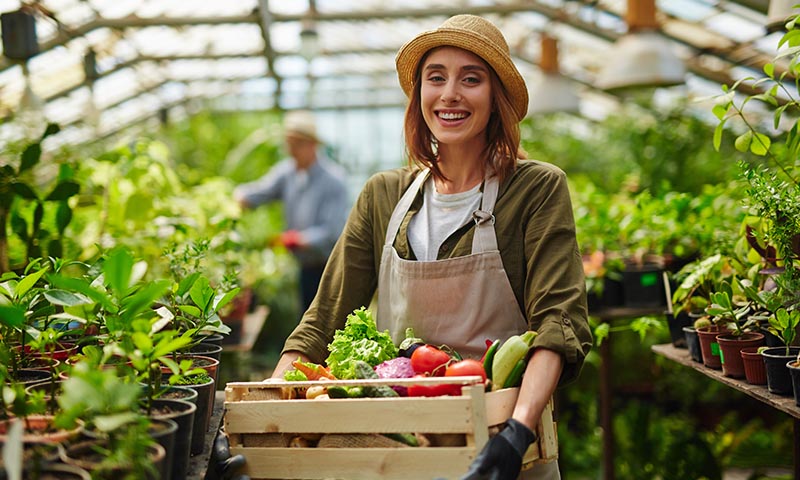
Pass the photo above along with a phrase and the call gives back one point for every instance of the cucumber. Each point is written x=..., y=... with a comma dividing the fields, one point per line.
x=515, y=377
x=510, y=352
x=364, y=371
x=488, y=358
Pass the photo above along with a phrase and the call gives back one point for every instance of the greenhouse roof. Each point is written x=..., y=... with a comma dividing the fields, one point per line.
x=157, y=56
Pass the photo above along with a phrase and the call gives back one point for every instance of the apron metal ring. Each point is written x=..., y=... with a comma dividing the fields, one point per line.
x=482, y=216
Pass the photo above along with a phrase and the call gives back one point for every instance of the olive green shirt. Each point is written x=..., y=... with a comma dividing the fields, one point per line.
x=536, y=238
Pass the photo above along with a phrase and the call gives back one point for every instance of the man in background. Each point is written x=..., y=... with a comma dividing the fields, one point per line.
x=314, y=195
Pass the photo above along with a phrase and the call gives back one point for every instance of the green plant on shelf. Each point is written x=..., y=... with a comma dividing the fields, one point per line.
x=730, y=317
x=783, y=324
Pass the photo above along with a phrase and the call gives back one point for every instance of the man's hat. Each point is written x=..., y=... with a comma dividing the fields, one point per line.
x=301, y=123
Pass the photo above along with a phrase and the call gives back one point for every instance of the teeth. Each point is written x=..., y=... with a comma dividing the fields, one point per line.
x=452, y=116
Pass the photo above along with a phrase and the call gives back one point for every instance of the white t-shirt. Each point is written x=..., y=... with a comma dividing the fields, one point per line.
x=441, y=215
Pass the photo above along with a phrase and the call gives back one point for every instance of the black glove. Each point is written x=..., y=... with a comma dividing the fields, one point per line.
x=501, y=457
x=221, y=466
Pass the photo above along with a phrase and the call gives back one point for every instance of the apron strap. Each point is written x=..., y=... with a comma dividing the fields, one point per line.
x=485, y=239
x=403, y=205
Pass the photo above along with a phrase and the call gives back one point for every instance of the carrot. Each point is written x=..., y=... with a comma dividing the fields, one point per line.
x=313, y=371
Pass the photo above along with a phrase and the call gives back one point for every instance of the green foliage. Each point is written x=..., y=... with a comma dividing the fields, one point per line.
x=640, y=148
x=34, y=205
x=240, y=146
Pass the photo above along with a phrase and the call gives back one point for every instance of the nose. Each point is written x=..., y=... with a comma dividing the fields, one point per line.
x=450, y=93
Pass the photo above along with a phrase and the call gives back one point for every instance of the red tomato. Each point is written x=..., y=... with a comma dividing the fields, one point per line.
x=433, y=390
x=466, y=368
x=429, y=360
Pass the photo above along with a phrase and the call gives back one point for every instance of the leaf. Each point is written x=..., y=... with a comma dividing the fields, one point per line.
x=720, y=110
x=52, y=129
x=718, y=135
x=743, y=141
x=769, y=69
x=30, y=157
x=12, y=316
x=202, y=293
x=63, y=217
x=187, y=283
x=65, y=298
x=760, y=146
x=601, y=332
x=64, y=190
x=23, y=190
x=190, y=310
x=27, y=282
x=117, y=270
x=109, y=423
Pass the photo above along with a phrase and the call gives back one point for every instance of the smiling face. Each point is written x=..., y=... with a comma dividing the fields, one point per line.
x=456, y=96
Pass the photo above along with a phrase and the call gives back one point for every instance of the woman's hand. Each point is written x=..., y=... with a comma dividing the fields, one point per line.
x=501, y=457
x=221, y=465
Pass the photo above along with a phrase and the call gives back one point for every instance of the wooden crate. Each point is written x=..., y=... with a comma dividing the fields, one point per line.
x=261, y=423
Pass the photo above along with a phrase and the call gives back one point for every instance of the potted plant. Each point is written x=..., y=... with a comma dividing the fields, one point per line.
x=754, y=370
x=735, y=332
x=783, y=324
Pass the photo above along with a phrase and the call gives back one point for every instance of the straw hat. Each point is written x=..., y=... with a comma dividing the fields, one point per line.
x=474, y=34
x=301, y=123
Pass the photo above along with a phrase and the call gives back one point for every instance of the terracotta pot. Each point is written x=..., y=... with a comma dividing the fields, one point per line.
x=730, y=345
x=754, y=371
x=38, y=429
x=709, y=346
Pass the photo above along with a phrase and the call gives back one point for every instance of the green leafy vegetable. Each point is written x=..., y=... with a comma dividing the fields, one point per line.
x=359, y=340
x=292, y=375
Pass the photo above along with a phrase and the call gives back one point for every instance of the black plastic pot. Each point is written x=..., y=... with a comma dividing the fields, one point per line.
x=794, y=372
x=202, y=417
x=693, y=343
x=676, y=325
x=206, y=350
x=643, y=286
x=779, y=380
x=163, y=431
x=182, y=413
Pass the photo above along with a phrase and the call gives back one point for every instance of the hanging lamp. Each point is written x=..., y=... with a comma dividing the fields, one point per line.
x=554, y=92
x=643, y=57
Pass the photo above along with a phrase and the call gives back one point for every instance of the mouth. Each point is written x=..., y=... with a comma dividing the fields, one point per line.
x=452, y=116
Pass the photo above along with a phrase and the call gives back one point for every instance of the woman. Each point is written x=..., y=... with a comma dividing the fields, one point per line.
x=468, y=242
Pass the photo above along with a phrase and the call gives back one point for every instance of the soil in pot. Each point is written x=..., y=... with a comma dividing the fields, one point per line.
x=693, y=344
x=709, y=346
x=730, y=347
x=754, y=371
x=779, y=381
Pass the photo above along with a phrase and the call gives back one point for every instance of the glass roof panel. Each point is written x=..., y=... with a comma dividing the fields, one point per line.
x=166, y=52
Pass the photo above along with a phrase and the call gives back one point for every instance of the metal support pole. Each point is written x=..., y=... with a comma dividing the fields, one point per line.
x=606, y=421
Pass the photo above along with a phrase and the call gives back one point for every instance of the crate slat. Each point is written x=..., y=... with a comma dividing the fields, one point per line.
x=358, y=415
x=356, y=463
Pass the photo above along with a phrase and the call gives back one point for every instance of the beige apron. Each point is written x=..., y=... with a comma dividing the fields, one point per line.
x=459, y=301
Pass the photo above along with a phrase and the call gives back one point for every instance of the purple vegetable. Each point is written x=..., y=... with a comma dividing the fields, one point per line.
x=399, y=367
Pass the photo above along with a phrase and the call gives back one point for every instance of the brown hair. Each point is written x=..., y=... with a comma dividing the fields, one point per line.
x=502, y=131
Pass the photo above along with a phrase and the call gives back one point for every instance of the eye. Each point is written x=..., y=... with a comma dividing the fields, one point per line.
x=472, y=80
x=435, y=77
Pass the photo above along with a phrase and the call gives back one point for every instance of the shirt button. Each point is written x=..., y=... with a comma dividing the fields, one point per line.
x=566, y=321
x=445, y=248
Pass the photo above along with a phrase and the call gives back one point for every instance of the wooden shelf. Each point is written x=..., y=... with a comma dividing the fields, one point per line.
x=681, y=355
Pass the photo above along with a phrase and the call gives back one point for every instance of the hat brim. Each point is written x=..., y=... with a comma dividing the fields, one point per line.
x=409, y=56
